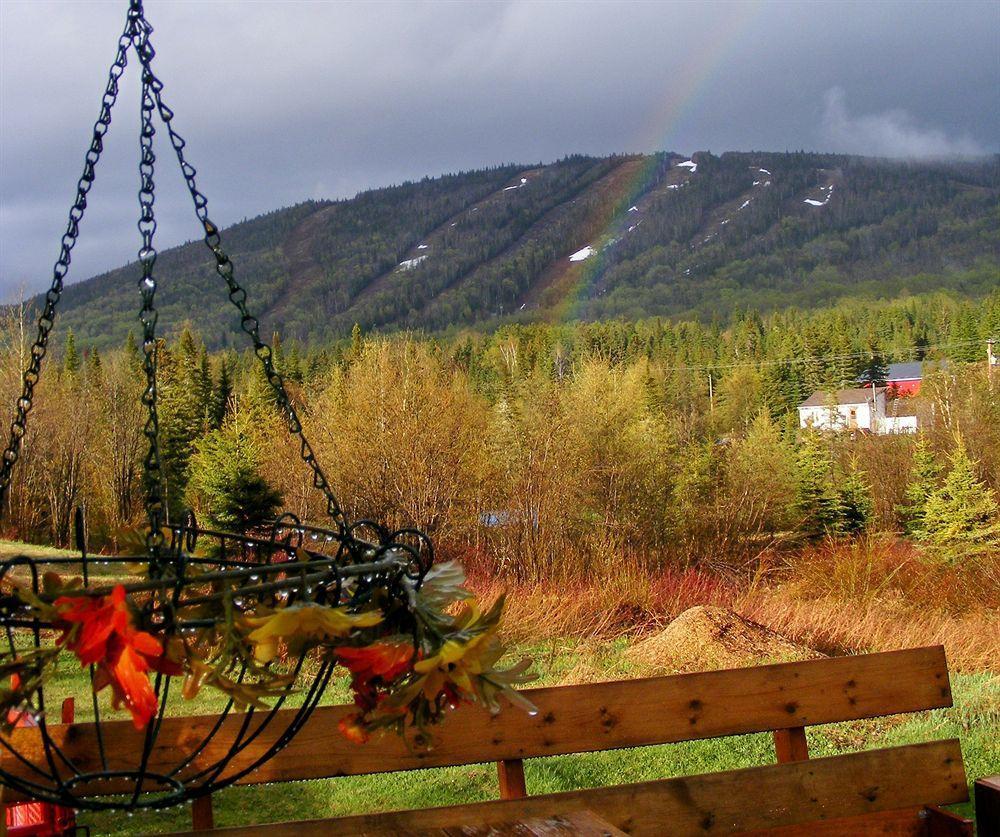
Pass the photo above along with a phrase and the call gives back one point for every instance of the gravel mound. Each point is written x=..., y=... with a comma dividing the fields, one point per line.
x=706, y=638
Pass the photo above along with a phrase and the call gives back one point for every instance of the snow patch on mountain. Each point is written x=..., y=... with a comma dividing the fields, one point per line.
x=409, y=264
x=823, y=202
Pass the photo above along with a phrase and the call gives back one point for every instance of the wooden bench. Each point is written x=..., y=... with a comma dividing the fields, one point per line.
x=889, y=791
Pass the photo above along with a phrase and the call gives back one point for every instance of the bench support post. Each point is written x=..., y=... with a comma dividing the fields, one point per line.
x=790, y=744
x=987, y=797
x=942, y=823
x=201, y=813
x=511, y=773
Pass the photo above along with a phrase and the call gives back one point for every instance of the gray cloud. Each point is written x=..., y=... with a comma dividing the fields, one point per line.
x=892, y=133
x=284, y=100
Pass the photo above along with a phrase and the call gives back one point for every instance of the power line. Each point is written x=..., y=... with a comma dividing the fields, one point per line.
x=815, y=358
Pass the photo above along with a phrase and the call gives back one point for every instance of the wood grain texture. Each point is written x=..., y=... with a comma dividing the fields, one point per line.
x=790, y=744
x=202, y=817
x=511, y=775
x=941, y=823
x=907, y=822
x=753, y=799
x=570, y=719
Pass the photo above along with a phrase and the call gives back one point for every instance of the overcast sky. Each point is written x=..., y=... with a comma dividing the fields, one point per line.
x=284, y=101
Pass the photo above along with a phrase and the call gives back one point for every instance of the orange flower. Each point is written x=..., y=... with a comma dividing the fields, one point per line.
x=101, y=631
x=353, y=729
x=381, y=660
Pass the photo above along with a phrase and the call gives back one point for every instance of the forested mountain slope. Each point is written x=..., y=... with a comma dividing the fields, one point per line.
x=584, y=237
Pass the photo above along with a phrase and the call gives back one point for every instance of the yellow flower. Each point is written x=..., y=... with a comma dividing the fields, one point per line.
x=299, y=623
x=455, y=662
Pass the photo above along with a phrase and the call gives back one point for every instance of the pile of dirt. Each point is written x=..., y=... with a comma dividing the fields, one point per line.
x=705, y=638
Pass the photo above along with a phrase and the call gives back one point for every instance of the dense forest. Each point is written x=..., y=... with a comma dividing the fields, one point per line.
x=538, y=448
x=583, y=238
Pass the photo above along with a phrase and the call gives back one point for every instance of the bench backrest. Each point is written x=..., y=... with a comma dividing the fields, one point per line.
x=782, y=698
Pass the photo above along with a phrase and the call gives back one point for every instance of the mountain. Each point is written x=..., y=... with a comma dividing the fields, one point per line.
x=622, y=236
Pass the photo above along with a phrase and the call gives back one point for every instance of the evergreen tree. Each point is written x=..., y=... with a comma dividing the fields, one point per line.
x=819, y=503
x=965, y=333
x=181, y=414
x=203, y=387
x=93, y=367
x=961, y=518
x=855, y=502
x=225, y=481
x=133, y=357
x=71, y=358
x=874, y=371
x=221, y=396
x=357, y=342
x=277, y=353
x=293, y=364
x=924, y=475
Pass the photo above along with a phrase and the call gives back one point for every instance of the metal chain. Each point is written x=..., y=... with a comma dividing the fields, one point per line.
x=137, y=31
x=31, y=375
x=147, y=288
x=237, y=294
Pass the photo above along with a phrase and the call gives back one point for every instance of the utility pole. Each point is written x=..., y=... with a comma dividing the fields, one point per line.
x=711, y=395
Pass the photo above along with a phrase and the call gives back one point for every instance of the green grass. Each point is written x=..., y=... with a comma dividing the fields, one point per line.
x=9, y=549
x=975, y=719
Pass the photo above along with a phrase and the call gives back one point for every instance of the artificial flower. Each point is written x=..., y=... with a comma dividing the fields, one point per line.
x=456, y=662
x=374, y=666
x=100, y=630
x=299, y=624
x=385, y=660
x=353, y=729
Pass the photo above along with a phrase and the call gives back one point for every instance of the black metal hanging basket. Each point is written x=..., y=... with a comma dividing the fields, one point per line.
x=256, y=615
x=291, y=565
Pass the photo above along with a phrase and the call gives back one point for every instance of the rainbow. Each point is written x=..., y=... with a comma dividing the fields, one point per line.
x=563, y=299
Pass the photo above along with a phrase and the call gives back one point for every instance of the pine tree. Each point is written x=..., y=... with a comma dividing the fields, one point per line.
x=93, y=367
x=819, y=504
x=855, y=502
x=924, y=476
x=357, y=342
x=133, y=357
x=965, y=333
x=71, y=358
x=874, y=371
x=221, y=396
x=961, y=518
x=203, y=387
x=293, y=364
x=225, y=481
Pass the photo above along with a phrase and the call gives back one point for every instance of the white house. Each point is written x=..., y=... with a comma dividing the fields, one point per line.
x=858, y=409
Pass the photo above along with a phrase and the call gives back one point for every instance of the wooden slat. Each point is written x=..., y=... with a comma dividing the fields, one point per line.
x=570, y=719
x=578, y=824
x=907, y=822
x=748, y=800
x=790, y=744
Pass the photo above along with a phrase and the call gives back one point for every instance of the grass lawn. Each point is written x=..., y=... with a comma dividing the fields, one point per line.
x=975, y=719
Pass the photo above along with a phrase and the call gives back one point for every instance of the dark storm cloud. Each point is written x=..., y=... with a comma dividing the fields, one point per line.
x=282, y=101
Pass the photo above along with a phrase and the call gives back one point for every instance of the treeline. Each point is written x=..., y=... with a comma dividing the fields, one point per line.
x=538, y=449
x=315, y=269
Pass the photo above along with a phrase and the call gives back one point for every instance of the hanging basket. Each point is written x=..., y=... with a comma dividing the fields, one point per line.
x=195, y=604
x=253, y=623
